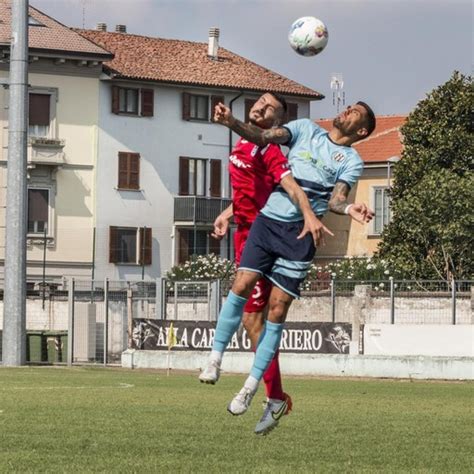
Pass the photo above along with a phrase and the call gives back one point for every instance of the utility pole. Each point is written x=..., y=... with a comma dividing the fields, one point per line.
x=14, y=316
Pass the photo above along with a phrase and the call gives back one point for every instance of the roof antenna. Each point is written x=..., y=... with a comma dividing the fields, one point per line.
x=83, y=14
x=337, y=86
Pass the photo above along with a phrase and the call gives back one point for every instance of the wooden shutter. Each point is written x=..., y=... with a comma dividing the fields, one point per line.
x=214, y=246
x=183, y=176
x=215, y=99
x=184, y=245
x=129, y=170
x=113, y=245
x=248, y=105
x=115, y=99
x=147, y=98
x=145, y=246
x=186, y=106
x=122, y=170
x=134, y=171
x=39, y=105
x=292, y=112
x=215, y=178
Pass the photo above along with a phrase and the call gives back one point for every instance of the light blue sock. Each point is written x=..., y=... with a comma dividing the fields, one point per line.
x=229, y=320
x=268, y=345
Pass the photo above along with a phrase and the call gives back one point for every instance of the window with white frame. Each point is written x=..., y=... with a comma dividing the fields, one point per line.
x=38, y=210
x=381, y=205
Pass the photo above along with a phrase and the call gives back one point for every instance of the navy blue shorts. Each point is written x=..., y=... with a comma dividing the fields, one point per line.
x=273, y=250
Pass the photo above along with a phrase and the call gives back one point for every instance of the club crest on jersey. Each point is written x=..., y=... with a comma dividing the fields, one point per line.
x=338, y=156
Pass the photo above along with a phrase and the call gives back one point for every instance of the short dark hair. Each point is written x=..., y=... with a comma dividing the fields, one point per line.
x=371, y=121
x=280, y=99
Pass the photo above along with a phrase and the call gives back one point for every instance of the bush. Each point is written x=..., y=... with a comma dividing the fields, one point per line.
x=202, y=268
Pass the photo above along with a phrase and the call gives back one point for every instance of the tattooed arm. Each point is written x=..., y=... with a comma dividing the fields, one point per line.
x=252, y=133
x=338, y=204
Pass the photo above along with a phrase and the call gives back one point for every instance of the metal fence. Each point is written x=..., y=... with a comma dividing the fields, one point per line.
x=79, y=321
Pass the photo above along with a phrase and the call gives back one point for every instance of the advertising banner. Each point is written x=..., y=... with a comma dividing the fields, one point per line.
x=298, y=337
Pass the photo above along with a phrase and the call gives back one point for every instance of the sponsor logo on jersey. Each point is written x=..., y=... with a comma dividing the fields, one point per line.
x=338, y=156
x=306, y=155
x=238, y=162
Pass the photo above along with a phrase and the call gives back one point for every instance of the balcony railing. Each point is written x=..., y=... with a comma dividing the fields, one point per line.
x=198, y=209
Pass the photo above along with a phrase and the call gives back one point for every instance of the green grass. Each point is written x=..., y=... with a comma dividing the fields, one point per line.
x=117, y=420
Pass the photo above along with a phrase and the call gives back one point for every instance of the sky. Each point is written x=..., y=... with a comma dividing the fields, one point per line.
x=390, y=53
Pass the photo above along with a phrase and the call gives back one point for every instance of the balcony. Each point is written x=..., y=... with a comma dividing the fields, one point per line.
x=198, y=209
x=45, y=151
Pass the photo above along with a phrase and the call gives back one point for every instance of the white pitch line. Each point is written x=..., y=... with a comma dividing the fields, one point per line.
x=120, y=385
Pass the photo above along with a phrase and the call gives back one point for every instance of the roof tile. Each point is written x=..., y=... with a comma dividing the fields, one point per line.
x=186, y=62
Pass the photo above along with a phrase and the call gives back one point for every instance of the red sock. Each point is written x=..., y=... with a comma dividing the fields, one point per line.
x=272, y=379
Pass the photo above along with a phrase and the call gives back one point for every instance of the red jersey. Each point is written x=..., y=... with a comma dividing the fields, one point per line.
x=254, y=172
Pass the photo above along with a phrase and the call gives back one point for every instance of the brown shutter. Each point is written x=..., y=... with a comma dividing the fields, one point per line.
x=113, y=245
x=215, y=178
x=115, y=99
x=214, y=246
x=122, y=170
x=147, y=97
x=186, y=106
x=183, y=176
x=39, y=105
x=184, y=244
x=292, y=112
x=145, y=246
x=248, y=105
x=215, y=99
x=134, y=170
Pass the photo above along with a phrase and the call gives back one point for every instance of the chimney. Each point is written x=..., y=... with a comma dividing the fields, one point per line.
x=101, y=27
x=121, y=28
x=213, y=43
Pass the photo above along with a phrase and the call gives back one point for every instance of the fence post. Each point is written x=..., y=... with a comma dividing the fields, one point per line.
x=453, y=300
x=175, y=295
x=214, y=300
x=392, y=301
x=160, y=296
x=333, y=300
x=106, y=319
x=129, y=316
x=362, y=302
x=70, y=325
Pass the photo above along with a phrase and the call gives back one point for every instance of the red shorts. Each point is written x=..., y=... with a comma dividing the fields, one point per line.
x=261, y=293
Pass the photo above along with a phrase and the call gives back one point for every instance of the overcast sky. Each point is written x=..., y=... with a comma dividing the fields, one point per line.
x=390, y=52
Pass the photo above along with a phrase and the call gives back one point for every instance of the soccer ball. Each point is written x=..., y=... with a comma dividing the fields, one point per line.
x=308, y=36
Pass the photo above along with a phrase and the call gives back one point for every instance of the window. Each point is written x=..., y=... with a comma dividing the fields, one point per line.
x=193, y=177
x=132, y=101
x=38, y=210
x=196, y=107
x=248, y=105
x=196, y=242
x=130, y=245
x=39, y=115
x=382, y=209
x=128, y=170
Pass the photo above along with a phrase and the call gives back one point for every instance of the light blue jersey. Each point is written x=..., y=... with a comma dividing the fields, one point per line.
x=317, y=164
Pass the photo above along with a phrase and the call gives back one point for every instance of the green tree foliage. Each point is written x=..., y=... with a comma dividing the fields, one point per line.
x=431, y=233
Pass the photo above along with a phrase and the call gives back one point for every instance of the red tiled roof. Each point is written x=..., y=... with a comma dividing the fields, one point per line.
x=186, y=62
x=384, y=142
x=50, y=35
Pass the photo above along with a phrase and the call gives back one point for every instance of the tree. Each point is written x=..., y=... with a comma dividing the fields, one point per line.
x=431, y=233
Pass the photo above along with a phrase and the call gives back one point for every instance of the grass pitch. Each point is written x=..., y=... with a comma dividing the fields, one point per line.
x=116, y=420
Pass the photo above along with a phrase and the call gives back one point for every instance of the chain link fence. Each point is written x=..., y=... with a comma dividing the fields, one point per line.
x=84, y=321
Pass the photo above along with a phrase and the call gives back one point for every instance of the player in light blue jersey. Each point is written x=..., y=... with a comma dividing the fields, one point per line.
x=326, y=167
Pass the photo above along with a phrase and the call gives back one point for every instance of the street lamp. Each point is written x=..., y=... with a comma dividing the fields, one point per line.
x=391, y=161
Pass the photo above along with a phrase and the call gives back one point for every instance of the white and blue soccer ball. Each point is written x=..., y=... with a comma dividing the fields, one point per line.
x=308, y=36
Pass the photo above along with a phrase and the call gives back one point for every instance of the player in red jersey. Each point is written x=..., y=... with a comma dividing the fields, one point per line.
x=254, y=173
